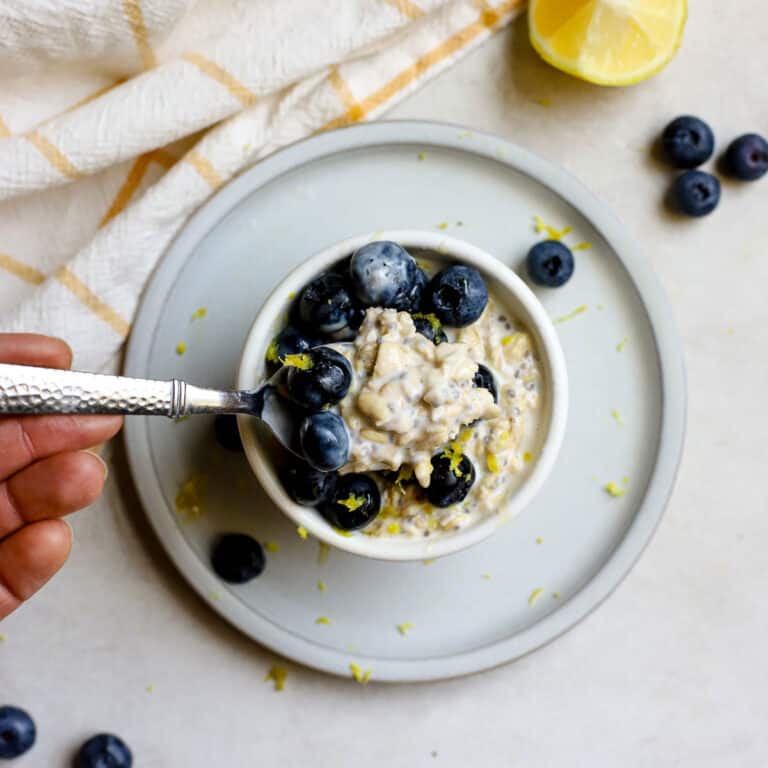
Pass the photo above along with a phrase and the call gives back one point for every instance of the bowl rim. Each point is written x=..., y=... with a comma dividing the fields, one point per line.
x=550, y=351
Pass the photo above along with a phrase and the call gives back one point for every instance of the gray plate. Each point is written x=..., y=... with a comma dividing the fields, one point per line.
x=469, y=611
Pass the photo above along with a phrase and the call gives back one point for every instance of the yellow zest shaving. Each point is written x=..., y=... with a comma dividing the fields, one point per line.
x=271, y=354
x=199, y=314
x=492, y=462
x=465, y=436
x=576, y=312
x=552, y=232
x=431, y=318
x=352, y=502
x=443, y=225
x=321, y=586
x=278, y=675
x=302, y=531
x=181, y=348
x=302, y=361
x=292, y=295
x=616, y=416
x=271, y=546
x=358, y=675
x=539, y=540
x=455, y=453
x=504, y=436
x=421, y=156
x=322, y=552
x=404, y=628
x=544, y=102
x=623, y=343
x=509, y=339
x=404, y=474
x=486, y=576
x=149, y=688
x=393, y=528
x=345, y=534
x=534, y=596
x=527, y=457
x=428, y=561
x=322, y=620
x=581, y=246
x=614, y=489
x=190, y=500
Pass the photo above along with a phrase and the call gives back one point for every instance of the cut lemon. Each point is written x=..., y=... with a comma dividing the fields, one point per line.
x=609, y=42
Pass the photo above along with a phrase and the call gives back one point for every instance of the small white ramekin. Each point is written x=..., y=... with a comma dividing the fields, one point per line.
x=517, y=299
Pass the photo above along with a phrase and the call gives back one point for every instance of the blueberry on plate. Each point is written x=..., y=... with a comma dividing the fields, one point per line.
x=687, y=142
x=318, y=378
x=483, y=378
x=326, y=305
x=747, y=157
x=237, y=558
x=550, y=263
x=324, y=441
x=453, y=474
x=306, y=485
x=383, y=275
x=428, y=325
x=457, y=295
x=696, y=193
x=355, y=502
x=104, y=751
x=290, y=341
x=226, y=432
x=17, y=732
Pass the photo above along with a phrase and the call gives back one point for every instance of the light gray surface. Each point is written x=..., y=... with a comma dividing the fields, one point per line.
x=670, y=671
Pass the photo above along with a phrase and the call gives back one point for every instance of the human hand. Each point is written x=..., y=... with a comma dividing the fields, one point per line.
x=45, y=473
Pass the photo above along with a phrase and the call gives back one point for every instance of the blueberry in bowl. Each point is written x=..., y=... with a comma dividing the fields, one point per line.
x=354, y=502
x=327, y=307
x=457, y=295
x=453, y=475
x=306, y=485
x=385, y=275
x=318, y=378
x=324, y=441
x=289, y=341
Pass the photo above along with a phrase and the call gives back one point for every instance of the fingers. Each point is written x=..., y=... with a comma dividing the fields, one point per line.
x=50, y=488
x=29, y=558
x=31, y=349
x=26, y=439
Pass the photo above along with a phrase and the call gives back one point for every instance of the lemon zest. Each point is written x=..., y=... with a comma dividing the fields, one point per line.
x=527, y=457
x=302, y=361
x=322, y=552
x=534, y=596
x=616, y=416
x=181, y=348
x=432, y=319
x=358, y=675
x=428, y=561
x=271, y=354
x=543, y=101
x=345, y=534
x=443, y=225
x=277, y=675
x=292, y=295
x=552, y=232
x=149, y=688
x=404, y=473
x=322, y=620
x=198, y=314
x=303, y=533
x=576, y=312
x=465, y=436
x=622, y=344
x=486, y=576
x=581, y=246
x=190, y=499
x=393, y=528
x=614, y=490
x=404, y=628
x=455, y=454
x=271, y=546
x=421, y=156
x=539, y=540
x=509, y=339
x=321, y=586
x=352, y=502
x=492, y=462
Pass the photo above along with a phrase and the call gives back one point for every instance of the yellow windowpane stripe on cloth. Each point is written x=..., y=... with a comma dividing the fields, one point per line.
x=230, y=82
x=93, y=96
x=22, y=271
x=5, y=131
x=487, y=19
x=406, y=7
x=141, y=36
x=354, y=112
x=53, y=155
x=103, y=311
x=203, y=166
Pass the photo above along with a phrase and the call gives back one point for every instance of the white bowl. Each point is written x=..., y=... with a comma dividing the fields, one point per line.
x=511, y=292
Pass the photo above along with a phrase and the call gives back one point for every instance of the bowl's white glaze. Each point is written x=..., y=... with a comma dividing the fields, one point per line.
x=512, y=293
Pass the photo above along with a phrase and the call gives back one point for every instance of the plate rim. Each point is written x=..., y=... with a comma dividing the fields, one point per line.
x=668, y=348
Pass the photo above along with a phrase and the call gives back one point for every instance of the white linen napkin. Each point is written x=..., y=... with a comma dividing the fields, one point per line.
x=118, y=118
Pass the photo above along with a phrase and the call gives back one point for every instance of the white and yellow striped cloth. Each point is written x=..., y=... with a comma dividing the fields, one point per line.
x=118, y=118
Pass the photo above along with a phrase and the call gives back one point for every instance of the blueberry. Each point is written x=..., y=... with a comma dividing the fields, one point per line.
x=415, y=296
x=747, y=157
x=484, y=378
x=318, y=378
x=452, y=476
x=104, y=751
x=324, y=441
x=226, y=432
x=457, y=295
x=428, y=325
x=687, y=142
x=306, y=485
x=237, y=557
x=696, y=193
x=355, y=502
x=383, y=275
x=326, y=305
x=290, y=341
x=550, y=263
x=17, y=732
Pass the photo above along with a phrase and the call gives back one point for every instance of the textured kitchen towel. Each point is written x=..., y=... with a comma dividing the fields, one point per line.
x=118, y=118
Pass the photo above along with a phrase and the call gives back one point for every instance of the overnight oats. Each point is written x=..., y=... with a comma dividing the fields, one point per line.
x=420, y=394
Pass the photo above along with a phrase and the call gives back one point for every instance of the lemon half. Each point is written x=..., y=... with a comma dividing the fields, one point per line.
x=608, y=42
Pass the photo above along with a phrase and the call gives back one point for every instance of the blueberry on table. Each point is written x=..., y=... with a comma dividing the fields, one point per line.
x=237, y=558
x=355, y=502
x=226, y=432
x=326, y=305
x=453, y=474
x=290, y=341
x=457, y=295
x=747, y=157
x=324, y=441
x=104, y=751
x=483, y=379
x=318, y=378
x=306, y=485
x=429, y=326
x=550, y=263
x=696, y=193
x=687, y=142
x=17, y=732
x=383, y=275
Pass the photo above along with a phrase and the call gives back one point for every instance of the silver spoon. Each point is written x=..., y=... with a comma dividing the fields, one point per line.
x=29, y=390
